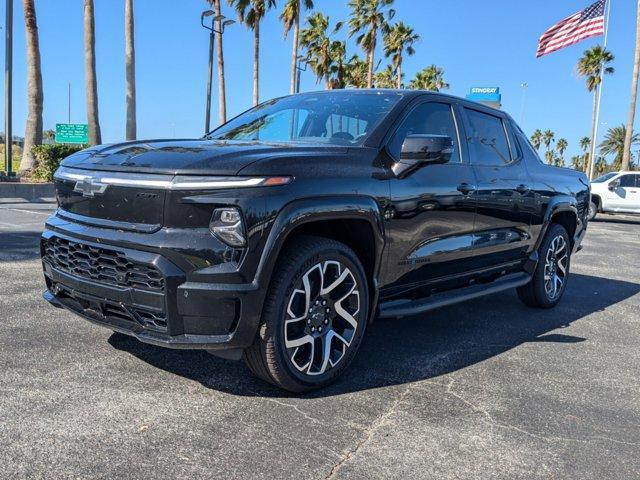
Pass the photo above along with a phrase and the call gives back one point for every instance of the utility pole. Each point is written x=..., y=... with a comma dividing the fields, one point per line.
x=8, y=87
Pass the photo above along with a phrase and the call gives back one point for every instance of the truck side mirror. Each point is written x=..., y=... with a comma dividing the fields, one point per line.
x=613, y=185
x=421, y=149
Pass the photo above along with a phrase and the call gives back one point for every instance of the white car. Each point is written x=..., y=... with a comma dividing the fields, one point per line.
x=615, y=192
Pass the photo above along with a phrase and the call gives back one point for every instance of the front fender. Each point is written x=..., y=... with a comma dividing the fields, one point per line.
x=316, y=209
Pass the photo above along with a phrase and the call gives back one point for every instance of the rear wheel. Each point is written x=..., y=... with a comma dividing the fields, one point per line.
x=550, y=277
x=314, y=316
x=593, y=210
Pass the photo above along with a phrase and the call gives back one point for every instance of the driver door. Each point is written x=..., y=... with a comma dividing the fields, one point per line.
x=431, y=220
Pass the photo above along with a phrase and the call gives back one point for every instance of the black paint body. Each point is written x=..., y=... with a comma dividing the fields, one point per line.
x=416, y=235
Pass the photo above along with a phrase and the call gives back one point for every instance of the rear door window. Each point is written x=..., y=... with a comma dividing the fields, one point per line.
x=487, y=139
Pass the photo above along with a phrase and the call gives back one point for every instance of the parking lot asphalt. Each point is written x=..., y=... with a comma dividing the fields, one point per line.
x=485, y=389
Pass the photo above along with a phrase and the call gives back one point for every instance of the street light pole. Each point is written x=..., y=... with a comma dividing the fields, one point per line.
x=8, y=87
x=212, y=32
x=524, y=86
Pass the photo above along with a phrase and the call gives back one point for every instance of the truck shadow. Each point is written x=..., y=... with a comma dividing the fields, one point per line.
x=415, y=348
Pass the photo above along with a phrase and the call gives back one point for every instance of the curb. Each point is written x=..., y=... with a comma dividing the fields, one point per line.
x=13, y=192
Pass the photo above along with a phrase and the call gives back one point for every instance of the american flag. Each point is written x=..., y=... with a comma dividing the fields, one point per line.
x=584, y=24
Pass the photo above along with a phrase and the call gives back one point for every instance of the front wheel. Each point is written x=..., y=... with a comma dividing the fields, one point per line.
x=552, y=272
x=314, y=316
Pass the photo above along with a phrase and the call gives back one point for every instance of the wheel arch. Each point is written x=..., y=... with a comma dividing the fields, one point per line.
x=353, y=220
x=563, y=211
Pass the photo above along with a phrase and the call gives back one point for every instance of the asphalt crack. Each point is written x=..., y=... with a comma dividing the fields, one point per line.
x=492, y=422
x=369, y=433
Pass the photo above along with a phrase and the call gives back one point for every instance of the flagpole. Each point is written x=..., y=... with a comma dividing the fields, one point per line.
x=599, y=94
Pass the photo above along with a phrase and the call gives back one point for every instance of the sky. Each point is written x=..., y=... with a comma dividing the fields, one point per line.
x=486, y=44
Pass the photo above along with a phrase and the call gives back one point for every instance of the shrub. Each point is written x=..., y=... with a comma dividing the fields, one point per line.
x=48, y=158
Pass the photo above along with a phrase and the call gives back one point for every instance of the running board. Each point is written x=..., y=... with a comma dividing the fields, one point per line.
x=401, y=308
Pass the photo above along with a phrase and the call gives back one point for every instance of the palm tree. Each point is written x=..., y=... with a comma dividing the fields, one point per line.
x=600, y=167
x=561, y=146
x=547, y=138
x=536, y=138
x=577, y=162
x=317, y=44
x=291, y=18
x=592, y=65
x=397, y=40
x=367, y=17
x=35, y=96
x=585, y=145
x=430, y=78
x=90, y=78
x=550, y=156
x=222, y=91
x=251, y=12
x=338, y=66
x=386, y=78
x=130, y=67
x=614, y=143
x=626, y=156
x=357, y=72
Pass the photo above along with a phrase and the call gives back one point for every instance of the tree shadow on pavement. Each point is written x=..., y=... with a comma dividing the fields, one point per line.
x=414, y=348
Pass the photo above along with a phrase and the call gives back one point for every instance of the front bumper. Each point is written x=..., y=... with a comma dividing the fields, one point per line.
x=185, y=314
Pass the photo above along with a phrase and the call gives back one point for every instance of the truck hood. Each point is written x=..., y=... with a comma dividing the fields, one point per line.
x=195, y=157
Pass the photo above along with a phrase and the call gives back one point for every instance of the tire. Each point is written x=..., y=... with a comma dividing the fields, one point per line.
x=288, y=350
x=549, y=282
x=593, y=210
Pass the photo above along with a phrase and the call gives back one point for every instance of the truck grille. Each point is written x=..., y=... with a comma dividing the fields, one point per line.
x=102, y=265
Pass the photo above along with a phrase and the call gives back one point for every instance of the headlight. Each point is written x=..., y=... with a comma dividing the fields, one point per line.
x=227, y=225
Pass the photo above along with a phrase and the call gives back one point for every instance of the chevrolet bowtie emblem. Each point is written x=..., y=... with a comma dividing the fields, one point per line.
x=90, y=187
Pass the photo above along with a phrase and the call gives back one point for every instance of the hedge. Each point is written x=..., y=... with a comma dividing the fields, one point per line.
x=48, y=158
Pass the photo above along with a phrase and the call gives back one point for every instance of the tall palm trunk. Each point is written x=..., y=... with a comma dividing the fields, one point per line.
x=626, y=155
x=593, y=134
x=294, y=50
x=371, y=55
x=399, y=72
x=35, y=97
x=256, y=63
x=91, y=83
x=222, y=92
x=130, y=66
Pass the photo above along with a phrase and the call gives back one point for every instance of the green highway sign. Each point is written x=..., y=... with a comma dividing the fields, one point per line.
x=72, y=133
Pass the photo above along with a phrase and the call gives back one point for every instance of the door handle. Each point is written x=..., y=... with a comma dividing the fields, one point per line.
x=522, y=188
x=466, y=188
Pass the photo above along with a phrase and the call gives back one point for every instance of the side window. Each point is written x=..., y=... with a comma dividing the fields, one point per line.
x=427, y=119
x=528, y=152
x=628, y=180
x=487, y=139
x=348, y=128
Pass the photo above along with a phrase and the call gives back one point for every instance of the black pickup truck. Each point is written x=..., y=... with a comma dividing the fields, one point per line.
x=280, y=235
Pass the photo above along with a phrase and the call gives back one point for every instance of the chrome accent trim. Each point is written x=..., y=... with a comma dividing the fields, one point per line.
x=157, y=182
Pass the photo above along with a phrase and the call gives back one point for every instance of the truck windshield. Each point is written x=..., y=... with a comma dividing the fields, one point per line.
x=604, y=178
x=336, y=118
